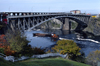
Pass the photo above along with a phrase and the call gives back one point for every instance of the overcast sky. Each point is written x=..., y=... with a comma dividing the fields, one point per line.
x=86, y=6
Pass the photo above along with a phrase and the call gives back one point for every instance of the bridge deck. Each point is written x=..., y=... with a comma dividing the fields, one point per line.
x=33, y=15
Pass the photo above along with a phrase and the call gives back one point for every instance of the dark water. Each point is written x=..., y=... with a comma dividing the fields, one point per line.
x=88, y=43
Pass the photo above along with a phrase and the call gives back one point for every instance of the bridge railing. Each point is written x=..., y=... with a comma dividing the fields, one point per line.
x=27, y=13
x=40, y=13
x=33, y=13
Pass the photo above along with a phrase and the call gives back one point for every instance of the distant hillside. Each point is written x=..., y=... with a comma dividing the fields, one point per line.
x=52, y=24
x=56, y=24
x=73, y=24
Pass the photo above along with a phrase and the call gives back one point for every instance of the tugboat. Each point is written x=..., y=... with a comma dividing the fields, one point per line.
x=46, y=35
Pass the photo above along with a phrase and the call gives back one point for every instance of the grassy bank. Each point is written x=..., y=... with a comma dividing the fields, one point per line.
x=42, y=62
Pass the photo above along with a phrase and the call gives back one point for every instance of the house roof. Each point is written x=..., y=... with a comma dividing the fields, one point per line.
x=75, y=10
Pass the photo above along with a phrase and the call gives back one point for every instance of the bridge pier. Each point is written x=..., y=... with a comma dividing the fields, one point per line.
x=19, y=24
x=24, y=21
x=65, y=24
x=12, y=25
x=29, y=21
x=69, y=25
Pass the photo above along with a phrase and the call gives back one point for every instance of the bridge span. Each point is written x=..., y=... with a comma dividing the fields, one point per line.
x=30, y=20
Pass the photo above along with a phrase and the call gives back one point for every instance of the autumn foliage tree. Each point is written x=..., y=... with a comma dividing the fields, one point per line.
x=4, y=46
x=17, y=40
x=16, y=44
x=3, y=41
x=67, y=46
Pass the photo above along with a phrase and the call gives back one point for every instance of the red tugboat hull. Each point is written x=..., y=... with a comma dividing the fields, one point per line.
x=41, y=35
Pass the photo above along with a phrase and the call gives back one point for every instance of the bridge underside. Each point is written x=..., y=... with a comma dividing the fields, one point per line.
x=81, y=25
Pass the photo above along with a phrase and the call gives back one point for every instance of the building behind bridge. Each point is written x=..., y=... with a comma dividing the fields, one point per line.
x=95, y=15
x=75, y=11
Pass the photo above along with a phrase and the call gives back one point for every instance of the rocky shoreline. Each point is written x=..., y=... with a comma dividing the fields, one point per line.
x=14, y=59
x=94, y=26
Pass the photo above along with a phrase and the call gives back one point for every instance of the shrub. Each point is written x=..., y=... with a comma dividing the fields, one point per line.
x=38, y=50
x=29, y=51
x=93, y=58
x=67, y=46
x=2, y=24
x=2, y=50
x=49, y=51
x=8, y=51
x=79, y=58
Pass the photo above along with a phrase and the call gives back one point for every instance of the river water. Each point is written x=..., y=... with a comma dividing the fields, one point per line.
x=87, y=43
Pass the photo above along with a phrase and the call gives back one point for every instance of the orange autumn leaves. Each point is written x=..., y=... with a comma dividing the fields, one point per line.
x=3, y=41
x=5, y=45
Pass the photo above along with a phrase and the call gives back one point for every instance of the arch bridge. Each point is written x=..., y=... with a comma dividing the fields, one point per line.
x=30, y=20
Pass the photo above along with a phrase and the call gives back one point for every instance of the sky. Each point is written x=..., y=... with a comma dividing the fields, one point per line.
x=86, y=6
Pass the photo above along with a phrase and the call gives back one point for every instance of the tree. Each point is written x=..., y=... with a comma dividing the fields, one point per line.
x=93, y=58
x=3, y=41
x=67, y=46
x=16, y=40
x=4, y=46
x=19, y=44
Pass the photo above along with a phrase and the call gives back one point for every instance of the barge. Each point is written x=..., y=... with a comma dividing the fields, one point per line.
x=46, y=35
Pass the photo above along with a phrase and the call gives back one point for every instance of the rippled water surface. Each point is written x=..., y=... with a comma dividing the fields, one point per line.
x=86, y=44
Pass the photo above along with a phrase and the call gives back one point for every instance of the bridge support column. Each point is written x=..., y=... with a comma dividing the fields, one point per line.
x=28, y=21
x=66, y=24
x=12, y=25
x=19, y=23
x=24, y=24
x=69, y=25
x=47, y=25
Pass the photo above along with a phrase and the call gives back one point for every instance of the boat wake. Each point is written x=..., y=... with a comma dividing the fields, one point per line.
x=88, y=40
x=80, y=39
x=62, y=38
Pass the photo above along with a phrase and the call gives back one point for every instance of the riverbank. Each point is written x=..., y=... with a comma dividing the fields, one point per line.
x=58, y=61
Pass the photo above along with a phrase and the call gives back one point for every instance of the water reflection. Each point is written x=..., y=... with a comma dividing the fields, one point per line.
x=38, y=41
x=58, y=32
